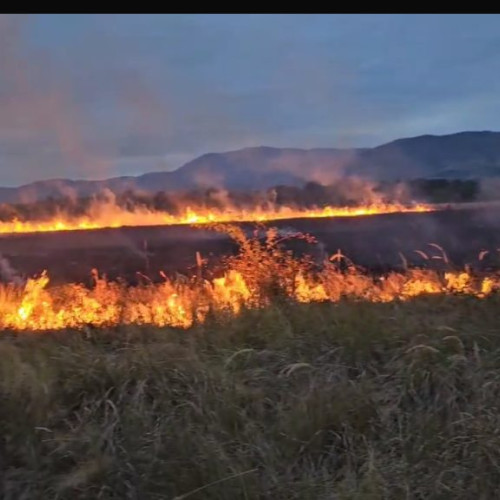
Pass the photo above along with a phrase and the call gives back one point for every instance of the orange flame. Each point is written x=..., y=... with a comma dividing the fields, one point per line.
x=37, y=307
x=112, y=216
x=253, y=278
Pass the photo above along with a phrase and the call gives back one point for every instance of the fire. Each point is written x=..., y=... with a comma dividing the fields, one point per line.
x=182, y=304
x=260, y=273
x=112, y=216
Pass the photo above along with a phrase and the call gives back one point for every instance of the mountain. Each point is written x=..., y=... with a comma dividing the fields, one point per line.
x=454, y=156
x=462, y=155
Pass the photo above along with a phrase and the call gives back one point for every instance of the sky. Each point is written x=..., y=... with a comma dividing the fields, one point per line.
x=98, y=96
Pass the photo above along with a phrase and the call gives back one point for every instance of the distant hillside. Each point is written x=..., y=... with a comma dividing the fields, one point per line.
x=457, y=156
x=464, y=155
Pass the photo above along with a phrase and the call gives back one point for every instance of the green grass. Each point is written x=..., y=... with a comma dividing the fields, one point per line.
x=319, y=401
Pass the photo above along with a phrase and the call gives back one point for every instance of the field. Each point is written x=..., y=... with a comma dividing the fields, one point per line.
x=376, y=242
x=278, y=384
x=316, y=401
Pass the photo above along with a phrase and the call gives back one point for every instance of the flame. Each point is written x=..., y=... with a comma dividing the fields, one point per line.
x=112, y=216
x=253, y=278
x=182, y=304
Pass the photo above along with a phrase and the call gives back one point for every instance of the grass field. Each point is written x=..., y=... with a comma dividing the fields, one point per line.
x=352, y=400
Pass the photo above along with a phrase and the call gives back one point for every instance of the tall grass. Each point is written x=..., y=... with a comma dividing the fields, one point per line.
x=263, y=272
x=310, y=401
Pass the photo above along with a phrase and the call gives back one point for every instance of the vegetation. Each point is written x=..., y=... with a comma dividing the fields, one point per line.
x=312, y=401
x=264, y=270
x=445, y=191
x=349, y=192
x=340, y=400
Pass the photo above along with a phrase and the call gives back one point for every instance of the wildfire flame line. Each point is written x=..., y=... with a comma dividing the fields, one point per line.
x=181, y=304
x=111, y=216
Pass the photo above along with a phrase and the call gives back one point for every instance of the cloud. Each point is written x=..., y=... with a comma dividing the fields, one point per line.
x=92, y=96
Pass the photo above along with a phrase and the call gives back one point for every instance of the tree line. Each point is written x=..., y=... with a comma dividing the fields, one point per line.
x=348, y=192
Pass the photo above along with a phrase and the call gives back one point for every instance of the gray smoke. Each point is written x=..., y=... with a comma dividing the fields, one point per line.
x=8, y=273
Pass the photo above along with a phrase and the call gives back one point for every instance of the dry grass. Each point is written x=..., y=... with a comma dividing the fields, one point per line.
x=265, y=271
x=314, y=401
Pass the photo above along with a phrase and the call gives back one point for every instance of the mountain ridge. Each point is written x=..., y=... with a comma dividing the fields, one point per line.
x=461, y=155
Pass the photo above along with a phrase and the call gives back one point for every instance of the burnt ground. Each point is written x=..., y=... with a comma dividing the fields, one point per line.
x=374, y=242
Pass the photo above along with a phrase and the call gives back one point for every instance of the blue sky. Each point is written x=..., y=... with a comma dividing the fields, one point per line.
x=94, y=96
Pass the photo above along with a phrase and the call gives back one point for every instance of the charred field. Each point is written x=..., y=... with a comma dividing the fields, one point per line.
x=378, y=243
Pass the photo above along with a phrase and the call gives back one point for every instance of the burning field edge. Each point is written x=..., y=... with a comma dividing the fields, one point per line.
x=103, y=215
x=261, y=273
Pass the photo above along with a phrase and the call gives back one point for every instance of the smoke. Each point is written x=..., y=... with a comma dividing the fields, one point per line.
x=58, y=121
x=359, y=190
x=353, y=190
x=39, y=123
x=489, y=189
x=8, y=273
x=220, y=197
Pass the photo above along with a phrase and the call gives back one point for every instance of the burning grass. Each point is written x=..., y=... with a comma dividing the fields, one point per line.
x=260, y=274
x=292, y=381
x=109, y=215
x=289, y=401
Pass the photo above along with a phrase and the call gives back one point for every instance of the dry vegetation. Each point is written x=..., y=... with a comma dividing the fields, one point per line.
x=352, y=399
x=263, y=272
x=311, y=401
